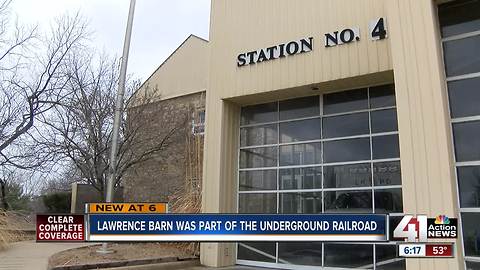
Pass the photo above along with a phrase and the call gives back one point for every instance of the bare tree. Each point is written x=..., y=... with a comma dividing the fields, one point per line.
x=81, y=129
x=32, y=82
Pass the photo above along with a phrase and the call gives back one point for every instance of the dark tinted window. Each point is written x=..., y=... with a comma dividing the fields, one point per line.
x=471, y=233
x=344, y=176
x=257, y=203
x=461, y=56
x=464, y=96
x=303, y=130
x=347, y=150
x=459, y=17
x=258, y=180
x=382, y=96
x=387, y=173
x=301, y=203
x=301, y=178
x=261, y=113
x=345, y=125
x=469, y=186
x=385, y=147
x=303, y=253
x=388, y=200
x=345, y=101
x=299, y=107
x=387, y=258
x=467, y=143
x=473, y=265
x=300, y=154
x=384, y=121
x=258, y=157
x=258, y=135
x=348, y=256
x=249, y=251
x=348, y=201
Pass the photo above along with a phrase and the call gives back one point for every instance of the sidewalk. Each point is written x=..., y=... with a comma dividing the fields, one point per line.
x=183, y=266
x=28, y=255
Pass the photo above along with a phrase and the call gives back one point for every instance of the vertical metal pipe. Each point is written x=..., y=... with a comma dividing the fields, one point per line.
x=119, y=105
x=118, y=115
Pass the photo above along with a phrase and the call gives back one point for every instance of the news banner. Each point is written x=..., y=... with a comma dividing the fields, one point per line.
x=116, y=222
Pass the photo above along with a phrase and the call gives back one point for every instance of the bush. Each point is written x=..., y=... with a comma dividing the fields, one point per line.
x=15, y=199
x=58, y=202
x=11, y=225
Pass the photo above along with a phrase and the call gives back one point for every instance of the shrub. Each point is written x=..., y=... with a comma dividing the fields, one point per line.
x=58, y=202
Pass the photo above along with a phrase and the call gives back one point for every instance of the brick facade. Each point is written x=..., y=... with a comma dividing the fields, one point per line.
x=166, y=171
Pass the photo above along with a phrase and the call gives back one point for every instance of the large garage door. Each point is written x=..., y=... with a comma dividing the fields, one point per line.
x=460, y=27
x=333, y=153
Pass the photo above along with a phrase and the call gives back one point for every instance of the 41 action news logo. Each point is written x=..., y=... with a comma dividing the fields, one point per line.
x=421, y=228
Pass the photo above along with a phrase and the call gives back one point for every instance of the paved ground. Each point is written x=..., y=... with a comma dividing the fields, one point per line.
x=28, y=255
x=238, y=267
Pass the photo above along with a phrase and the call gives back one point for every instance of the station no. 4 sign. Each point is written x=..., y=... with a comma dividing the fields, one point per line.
x=348, y=35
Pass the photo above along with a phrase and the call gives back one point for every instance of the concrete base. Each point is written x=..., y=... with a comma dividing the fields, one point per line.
x=193, y=264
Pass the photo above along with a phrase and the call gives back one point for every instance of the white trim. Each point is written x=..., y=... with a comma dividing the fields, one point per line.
x=463, y=77
x=316, y=116
x=357, y=111
x=322, y=165
x=469, y=209
x=347, y=138
x=472, y=259
x=321, y=140
x=465, y=119
x=461, y=36
x=256, y=169
x=467, y=163
x=261, y=124
x=257, y=146
x=372, y=185
x=314, y=190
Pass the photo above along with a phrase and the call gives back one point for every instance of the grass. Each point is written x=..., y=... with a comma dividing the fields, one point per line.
x=10, y=228
x=189, y=201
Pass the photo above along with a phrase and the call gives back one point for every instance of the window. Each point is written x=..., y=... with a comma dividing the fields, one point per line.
x=334, y=153
x=460, y=27
x=198, y=123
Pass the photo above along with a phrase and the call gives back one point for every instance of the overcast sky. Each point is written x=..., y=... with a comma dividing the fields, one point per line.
x=159, y=25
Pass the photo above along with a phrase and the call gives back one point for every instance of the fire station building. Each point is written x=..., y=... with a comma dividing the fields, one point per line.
x=343, y=106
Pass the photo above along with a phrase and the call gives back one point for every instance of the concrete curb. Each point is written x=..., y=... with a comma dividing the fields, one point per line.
x=160, y=266
x=132, y=264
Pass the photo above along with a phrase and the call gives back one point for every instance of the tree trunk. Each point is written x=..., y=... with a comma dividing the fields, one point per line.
x=3, y=192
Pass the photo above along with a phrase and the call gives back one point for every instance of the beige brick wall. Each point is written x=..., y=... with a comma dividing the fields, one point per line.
x=159, y=177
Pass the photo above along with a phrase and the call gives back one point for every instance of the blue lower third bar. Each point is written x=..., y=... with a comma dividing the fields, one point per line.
x=236, y=227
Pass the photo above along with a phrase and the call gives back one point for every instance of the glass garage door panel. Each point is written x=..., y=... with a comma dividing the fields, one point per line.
x=459, y=17
x=460, y=27
x=464, y=97
x=461, y=56
x=340, y=255
x=335, y=153
x=297, y=253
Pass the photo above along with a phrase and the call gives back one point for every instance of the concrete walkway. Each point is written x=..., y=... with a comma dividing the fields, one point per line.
x=183, y=266
x=237, y=267
x=28, y=255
